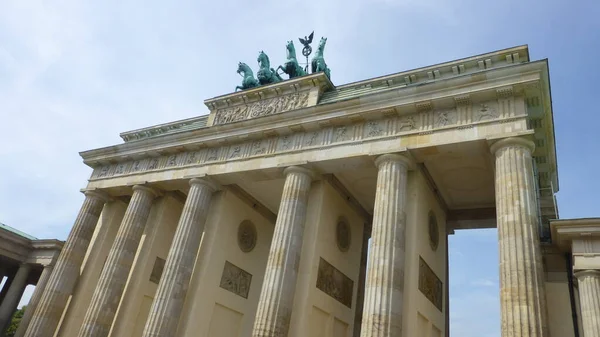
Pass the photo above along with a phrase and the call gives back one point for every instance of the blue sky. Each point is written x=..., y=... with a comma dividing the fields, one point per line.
x=73, y=74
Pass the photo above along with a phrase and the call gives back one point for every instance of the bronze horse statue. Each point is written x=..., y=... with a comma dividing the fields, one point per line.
x=249, y=81
x=318, y=62
x=266, y=74
x=291, y=66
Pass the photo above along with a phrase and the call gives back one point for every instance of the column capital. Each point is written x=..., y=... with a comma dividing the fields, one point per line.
x=407, y=162
x=298, y=169
x=202, y=181
x=512, y=141
x=98, y=194
x=153, y=192
x=587, y=272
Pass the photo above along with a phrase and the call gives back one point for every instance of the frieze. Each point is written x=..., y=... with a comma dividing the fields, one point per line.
x=421, y=123
x=335, y=283
x=430, y=285
x=235, y=280
x=261, y=108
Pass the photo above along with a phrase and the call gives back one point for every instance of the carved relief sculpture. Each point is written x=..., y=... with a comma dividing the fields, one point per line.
x=343, y=235
x=430, y=285
x=408, y=122
x=485, y=112
x=246, y=236
x=434, y=233
x=262, y=108
x=334, y=283
x=235, y=280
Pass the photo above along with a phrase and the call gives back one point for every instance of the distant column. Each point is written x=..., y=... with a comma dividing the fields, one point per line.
x=34, y=300
x=384, y=289
x=9, y=278
x=173, y=286
x=66, y=271
x=522, y=289
x=277, y=294
x=589, y=294
x=13, y=296
x=105, y=300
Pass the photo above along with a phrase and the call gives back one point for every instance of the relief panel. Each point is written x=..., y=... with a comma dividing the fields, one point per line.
x=334, y=283
x=235, y=280
x=264, y=107
x=430, y=285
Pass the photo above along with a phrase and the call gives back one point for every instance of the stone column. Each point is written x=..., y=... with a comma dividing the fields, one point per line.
x=589, y=294
x=384, y=289
x=9, y=278
x=277, y=295
x=13, y=296
x=105, y=300
x=67, y=268
x=522, y=290
x=172, y=288
x=34, y=300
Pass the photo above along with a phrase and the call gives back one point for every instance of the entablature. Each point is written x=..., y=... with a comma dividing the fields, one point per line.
x=439, y=95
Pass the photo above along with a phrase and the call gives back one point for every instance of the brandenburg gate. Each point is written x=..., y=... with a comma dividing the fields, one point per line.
x=297, y=208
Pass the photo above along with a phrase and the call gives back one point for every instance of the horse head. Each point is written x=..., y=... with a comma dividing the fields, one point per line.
x=290, y=46
x=322, y=43
x=244, y=68
x=263, y=60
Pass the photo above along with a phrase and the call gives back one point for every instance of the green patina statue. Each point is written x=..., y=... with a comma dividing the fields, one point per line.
x=266, y=74
x=291, y=66
x=249, y=81
x=318, y=62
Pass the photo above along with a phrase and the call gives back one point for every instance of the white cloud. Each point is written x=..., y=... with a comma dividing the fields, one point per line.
x=484, y=283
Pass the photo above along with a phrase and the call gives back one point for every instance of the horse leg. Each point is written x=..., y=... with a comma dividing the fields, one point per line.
x=238, y=87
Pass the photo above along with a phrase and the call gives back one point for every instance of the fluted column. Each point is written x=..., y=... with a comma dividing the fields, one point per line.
x=105, y=300
x=384, y=289
x=66, y=271
x=173, y=286
x=13, y=296
x=589, y=294
x=276, y=298
x=522, y=290
x=34, y=300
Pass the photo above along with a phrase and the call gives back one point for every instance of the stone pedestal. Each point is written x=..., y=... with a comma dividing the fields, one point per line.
x=522, y=290
x=66, y=271
x=105, y=301
x=34, y=300
x=589, y=294
x=384, y=289
x=13, y=296
x=172, y=289
x=276, y=298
